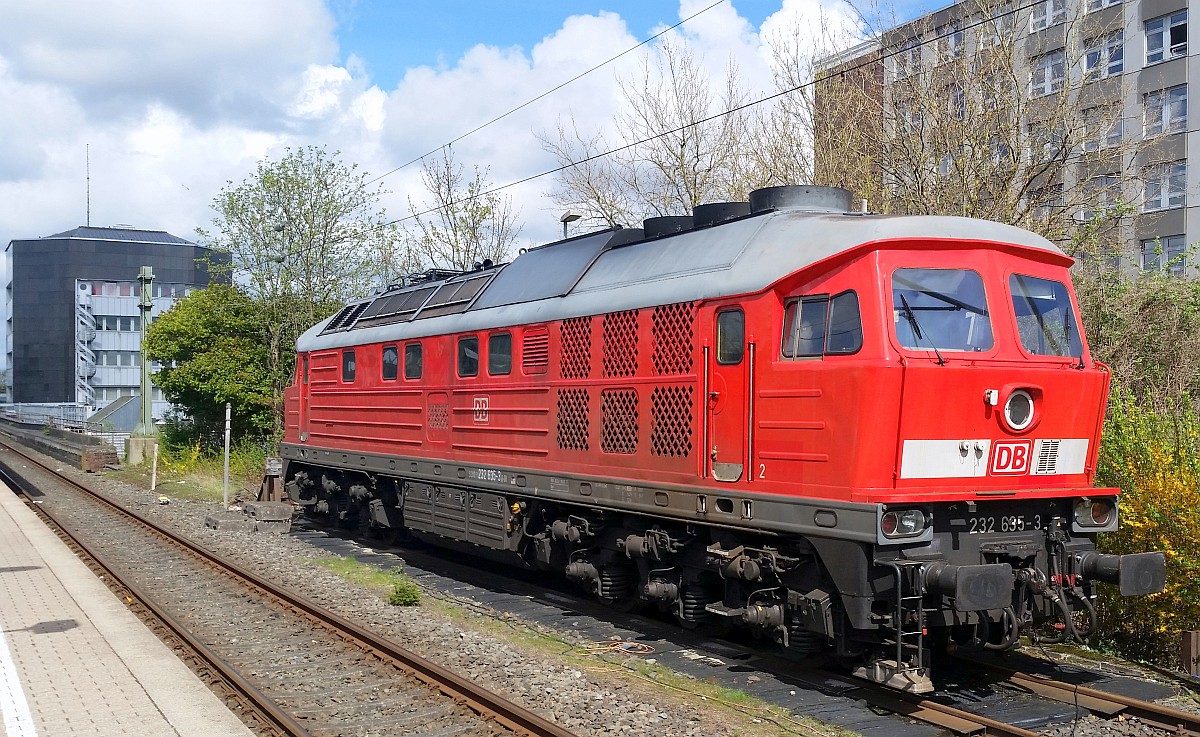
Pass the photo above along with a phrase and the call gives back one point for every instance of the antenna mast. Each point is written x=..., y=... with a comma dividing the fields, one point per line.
x=87, y=168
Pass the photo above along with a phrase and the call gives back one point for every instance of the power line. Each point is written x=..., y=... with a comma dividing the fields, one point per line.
x=841, y=72
x=527, y=103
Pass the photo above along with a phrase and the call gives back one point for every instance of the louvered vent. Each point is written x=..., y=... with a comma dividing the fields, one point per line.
x=671, y=421
x=673, y=336
x=575, y=347
x=620, y=343
x=619, y=421
x=573, y=419
x=345, y=317
x=535, y=353
x=1047, y=460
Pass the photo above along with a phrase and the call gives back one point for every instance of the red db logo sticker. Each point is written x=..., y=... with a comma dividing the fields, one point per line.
x=1011, y=457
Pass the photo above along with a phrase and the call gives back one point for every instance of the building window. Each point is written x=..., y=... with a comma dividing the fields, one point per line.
x=1045, y=144
x=391, y=363
x=500, y=354
x=1047, y=13
x=1049, y=73
x=1047, y=201
x=412, y=360
x=1102, y=126
x=1094, y=5
x=949, y=42
x=1166, y=185
x=908, y=59
x=468, y=356
x=1166, y=110
x=1100, y=195
x=997, y=29
x=1164, y=254
x=1104, y=56
x=1166, y=37
x=956, y=101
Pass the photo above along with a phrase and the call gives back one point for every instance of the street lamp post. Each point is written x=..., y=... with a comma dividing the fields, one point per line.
x=569, y=216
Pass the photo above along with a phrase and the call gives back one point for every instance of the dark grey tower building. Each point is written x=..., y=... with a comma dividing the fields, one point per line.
x=73, y=317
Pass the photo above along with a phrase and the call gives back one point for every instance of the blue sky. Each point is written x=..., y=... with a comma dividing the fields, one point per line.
x=390, y=36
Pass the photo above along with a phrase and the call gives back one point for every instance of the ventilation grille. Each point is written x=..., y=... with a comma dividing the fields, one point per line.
x=671, y=421
x=439, y=417
x=673, y=336
x=575, y=352
x=573, y=419
x=535, y=353
x=1047, y=460
x=619, y=421
x=620, y=343
x=346, y=317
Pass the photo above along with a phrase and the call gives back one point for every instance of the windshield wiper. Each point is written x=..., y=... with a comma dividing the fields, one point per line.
x=916, y=328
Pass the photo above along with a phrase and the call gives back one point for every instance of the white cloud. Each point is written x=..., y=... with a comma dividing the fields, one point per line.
x=176, y=98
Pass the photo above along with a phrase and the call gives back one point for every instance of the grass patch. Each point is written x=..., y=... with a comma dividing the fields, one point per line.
x=188, y=474
x=399, y=589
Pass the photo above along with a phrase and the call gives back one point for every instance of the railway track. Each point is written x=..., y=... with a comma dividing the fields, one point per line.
x=305, y=707
x=293, y=667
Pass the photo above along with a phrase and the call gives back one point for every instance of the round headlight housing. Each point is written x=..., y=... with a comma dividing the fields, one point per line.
x=1094, y=512
x=903, y=523
x=1018, y=410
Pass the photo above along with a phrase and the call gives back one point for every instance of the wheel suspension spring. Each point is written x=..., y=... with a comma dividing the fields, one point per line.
x=613, y=583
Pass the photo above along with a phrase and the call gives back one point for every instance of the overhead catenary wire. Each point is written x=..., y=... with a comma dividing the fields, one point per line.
x=883, y=55
x=548, y=92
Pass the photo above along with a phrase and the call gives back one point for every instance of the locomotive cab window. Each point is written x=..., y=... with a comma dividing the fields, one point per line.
x=940, y=310
x=412, y=360
x=468, y=356
x=348, y=365
x=390, y=363
x=822, y=326
x=1045, y=319
x=500, y=354
x=731, y=336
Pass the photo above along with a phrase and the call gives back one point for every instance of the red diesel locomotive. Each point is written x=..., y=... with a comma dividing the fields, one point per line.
x=838, y=429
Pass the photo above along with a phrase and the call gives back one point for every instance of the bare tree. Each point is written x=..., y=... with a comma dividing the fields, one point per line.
x=672, y=147
x=969, y=117
x=465, y=224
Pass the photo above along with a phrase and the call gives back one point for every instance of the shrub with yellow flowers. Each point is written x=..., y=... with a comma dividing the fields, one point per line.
x=1152, y=453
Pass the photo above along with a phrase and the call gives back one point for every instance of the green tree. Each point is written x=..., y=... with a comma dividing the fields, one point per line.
x=211, y=347
x=305, y=233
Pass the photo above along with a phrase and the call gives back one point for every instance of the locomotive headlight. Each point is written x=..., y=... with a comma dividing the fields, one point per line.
x=1018, y=410
x=1094, y=513
x=903, y=523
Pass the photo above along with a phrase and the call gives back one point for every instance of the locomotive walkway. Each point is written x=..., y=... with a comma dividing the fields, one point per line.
x=74, y=660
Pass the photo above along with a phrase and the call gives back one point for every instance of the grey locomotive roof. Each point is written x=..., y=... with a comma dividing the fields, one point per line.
x=588, y=275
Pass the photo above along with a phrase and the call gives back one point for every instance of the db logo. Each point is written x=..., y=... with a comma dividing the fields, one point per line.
x=479, y=406
x=1011, y=457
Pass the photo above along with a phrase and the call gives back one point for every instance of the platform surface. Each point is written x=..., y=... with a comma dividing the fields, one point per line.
x=74, y=660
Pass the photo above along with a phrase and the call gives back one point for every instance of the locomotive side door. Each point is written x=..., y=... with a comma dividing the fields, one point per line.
x=727, y=396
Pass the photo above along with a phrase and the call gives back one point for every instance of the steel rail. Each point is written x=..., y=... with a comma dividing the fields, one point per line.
x=490, y=705
x=264, y=707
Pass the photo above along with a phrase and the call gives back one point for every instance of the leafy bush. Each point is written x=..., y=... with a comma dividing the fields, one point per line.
x=405, y=593
x=1154, y=457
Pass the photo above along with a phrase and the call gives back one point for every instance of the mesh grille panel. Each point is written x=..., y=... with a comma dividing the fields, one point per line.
x=439, y=417
x=673, y=337
x=671, y=421
x=575, y=355
x=619, y=421
x=620, y=343
x=573, y=419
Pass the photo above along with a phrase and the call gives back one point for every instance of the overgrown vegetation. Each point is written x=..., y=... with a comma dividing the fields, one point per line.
x=398, y=588
x=1150, y=451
